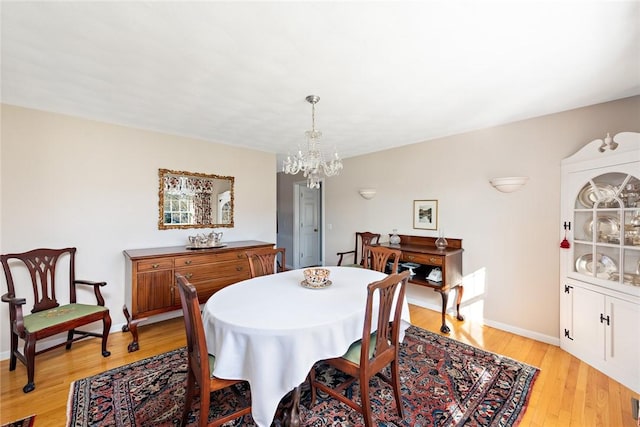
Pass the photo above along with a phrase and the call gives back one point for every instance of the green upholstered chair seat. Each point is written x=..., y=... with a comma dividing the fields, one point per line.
x=353, y=354
x=212, y=364
x=44, y=319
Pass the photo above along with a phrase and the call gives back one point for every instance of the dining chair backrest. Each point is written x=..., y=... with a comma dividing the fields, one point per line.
x=200, y=362
x=196, y=343
x=391, y=288
x=263, y=261
x=363, y=239
x=376, y=258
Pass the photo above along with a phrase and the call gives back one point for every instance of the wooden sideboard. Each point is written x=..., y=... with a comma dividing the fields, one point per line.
x=422, y=250
x=151, y=288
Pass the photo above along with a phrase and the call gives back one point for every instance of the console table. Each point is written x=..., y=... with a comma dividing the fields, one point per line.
x=150, y=286
x=422, y=250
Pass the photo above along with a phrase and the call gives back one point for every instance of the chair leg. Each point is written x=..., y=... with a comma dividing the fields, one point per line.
x=30, y=356
x=188, y=398
x=14, y=349
x=205, y=402
x=70, y=338
x=365, y=401
x=106, y=325
x=395, y=379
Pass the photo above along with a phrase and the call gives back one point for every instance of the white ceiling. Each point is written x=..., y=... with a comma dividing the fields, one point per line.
x=388, y=73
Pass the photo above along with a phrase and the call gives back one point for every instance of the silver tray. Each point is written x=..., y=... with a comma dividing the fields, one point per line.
x=605, y=266
x=610, y=226
x=220, y=245
x=306, y=284
x=589, y=194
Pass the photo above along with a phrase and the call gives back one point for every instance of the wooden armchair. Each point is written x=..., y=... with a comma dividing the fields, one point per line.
x=265, y=261
x=362, y=239
x=377, y=349
x=47, y=316
x=376, y=258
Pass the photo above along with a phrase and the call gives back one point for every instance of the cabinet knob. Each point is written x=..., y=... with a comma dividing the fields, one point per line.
x=188, y=275
x=188, y=262
x=240, y=256
x=432, y=259
x=239, y=268
x=410, y=257
x=155, y=265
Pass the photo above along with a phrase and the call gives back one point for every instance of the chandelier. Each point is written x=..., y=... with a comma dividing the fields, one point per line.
x=312, y=163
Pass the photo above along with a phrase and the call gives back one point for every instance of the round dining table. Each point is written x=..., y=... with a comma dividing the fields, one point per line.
x=270, y=330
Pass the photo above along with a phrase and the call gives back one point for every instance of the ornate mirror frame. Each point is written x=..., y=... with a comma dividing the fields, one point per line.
x=194, y=200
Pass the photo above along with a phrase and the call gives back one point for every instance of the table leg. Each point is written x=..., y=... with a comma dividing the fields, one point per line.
x=291, y=416
x=131, y=326
x=459, y=293
x=288, y=413
x=445, y=298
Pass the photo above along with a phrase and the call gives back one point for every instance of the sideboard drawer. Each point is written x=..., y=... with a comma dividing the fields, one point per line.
x=197, y=258
x=154, y=264
x=427, y=259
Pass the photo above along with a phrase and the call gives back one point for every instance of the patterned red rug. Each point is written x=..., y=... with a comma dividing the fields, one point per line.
x=25, y=422
x=444, y=383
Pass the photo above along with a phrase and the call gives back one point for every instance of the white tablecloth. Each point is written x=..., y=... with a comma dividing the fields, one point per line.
x=270, y=330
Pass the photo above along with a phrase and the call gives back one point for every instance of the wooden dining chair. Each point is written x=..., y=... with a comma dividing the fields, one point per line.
x=263, y=261
x=201, y=363
x=376, y=258
x=362, y=239
x=377, y=349
x=48, y=316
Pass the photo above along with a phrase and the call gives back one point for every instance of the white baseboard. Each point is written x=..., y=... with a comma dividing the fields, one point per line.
x=502, y=326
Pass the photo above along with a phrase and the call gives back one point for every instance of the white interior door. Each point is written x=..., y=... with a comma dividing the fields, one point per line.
x=308, y=226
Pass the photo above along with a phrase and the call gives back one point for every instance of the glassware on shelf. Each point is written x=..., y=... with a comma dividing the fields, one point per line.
x=441, y=242
x=394, y=239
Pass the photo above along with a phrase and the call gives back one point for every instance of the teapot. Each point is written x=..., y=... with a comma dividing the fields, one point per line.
x=205, y=240
x=215, y=238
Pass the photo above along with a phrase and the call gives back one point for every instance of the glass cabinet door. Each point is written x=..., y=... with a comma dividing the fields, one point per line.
x=607, y=229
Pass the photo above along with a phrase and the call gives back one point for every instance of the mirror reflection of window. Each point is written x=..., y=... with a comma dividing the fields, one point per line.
x=192, y=200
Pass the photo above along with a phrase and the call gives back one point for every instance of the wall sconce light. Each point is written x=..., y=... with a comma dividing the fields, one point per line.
x=367, y=193
x=509, y=184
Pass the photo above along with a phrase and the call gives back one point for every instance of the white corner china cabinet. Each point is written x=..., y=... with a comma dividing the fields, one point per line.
x=600, y=257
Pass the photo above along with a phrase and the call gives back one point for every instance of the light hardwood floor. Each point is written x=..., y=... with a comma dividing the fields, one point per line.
x=566, y=393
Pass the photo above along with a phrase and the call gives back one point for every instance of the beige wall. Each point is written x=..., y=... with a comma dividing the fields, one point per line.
x=512, y=240
x=73, y=182
x=69, y=181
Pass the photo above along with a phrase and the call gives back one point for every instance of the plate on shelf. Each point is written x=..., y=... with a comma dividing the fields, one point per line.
x=608, y=225
x=605, y=266
x=306, y=284
x=589, y=194
x=220, y=245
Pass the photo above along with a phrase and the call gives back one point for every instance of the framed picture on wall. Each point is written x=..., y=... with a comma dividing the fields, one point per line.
x=425, y=214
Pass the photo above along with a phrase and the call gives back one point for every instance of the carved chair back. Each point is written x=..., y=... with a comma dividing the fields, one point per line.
x=363, y=239
x=263, y=261
x=41, y=265
x=376, y=258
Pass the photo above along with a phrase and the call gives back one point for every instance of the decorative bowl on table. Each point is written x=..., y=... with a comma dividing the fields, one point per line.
x=316, y=278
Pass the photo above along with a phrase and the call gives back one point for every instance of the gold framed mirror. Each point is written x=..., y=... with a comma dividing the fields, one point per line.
x=194, y=200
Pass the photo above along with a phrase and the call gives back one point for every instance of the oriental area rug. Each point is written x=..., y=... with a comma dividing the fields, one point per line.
x=25, y=422
x=444, y=383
